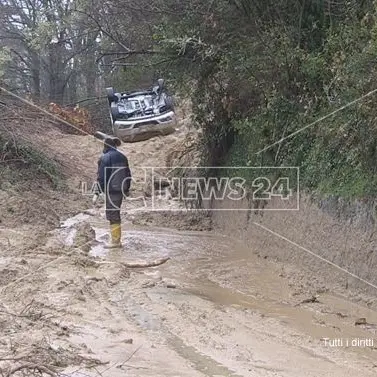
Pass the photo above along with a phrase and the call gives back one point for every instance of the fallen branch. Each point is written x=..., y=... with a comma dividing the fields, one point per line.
x=85, y=100
x=40, y=368
x=27, y=306
x=311, y=300
x=129, y=357
x=154, y=263
x=13, y=314
x=140, y=264
x=130, y=52
x=125, y=361
x=5, y=161
x=19, y=358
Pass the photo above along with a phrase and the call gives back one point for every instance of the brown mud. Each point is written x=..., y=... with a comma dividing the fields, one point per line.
x=220, y=306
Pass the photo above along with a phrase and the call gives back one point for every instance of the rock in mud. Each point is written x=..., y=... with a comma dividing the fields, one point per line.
x=360, y=322
x=156, y=275
x=170, y=284
x=92, y=279
x=311, y=300
x=85, y=235
x=8, y=274
x=148, y=284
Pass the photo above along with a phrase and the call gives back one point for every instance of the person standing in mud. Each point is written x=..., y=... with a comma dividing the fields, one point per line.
x=114, y=180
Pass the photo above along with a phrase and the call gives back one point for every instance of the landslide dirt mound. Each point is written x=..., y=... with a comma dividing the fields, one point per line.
x=35, y=190
x=35, y=185
x=28, y=129
x=41, y=160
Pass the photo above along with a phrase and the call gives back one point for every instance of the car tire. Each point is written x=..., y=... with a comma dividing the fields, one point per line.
x=114, y=111
x=110, y=94
x=169, y=103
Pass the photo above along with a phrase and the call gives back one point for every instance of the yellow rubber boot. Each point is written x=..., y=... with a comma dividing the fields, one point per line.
x=116, y=234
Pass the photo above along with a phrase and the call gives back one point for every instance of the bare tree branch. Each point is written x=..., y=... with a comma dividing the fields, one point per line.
x=104, y=31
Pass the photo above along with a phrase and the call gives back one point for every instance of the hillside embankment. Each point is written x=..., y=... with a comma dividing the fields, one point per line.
x=328, y=244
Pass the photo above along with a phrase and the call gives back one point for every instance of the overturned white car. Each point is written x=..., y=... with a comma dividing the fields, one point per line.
x=137, y=116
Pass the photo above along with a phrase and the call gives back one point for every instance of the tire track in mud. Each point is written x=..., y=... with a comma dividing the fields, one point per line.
x=152, y=322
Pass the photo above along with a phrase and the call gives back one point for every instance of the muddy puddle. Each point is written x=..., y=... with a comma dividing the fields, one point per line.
x=209, y=267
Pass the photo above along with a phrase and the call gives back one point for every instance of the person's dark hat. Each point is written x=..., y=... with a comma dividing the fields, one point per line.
x=109, y=142
x=112, y=142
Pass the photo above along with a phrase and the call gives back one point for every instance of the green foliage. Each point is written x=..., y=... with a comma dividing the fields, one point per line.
x=263, y=70
x=5, y=58
x=43, y=165
x=257, y=71
x=42, y=35
x=24, y=162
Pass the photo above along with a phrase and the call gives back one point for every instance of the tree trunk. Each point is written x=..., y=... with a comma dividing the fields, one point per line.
x=57, y=70
x=90, y=75
x=73, y=81
x=35, y=75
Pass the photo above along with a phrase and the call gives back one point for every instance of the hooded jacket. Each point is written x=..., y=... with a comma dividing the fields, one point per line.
x=114, y=174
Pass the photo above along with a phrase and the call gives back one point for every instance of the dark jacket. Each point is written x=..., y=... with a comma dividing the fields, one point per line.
x=114, y=174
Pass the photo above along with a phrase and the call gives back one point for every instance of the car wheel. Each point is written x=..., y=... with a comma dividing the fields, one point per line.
x=169, y=103
x=110, y=94
x=114, y=111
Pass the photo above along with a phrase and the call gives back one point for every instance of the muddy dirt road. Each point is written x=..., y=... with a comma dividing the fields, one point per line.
x=213, y=309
